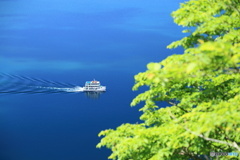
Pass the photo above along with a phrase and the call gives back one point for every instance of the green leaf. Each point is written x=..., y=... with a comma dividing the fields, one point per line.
x=154, y=66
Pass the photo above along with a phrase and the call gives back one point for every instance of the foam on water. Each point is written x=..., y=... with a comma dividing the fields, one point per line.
x=74, y=89
x=20, y=84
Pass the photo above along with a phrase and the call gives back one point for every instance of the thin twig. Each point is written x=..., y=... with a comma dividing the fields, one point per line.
x=232, y=144
x=205, y=156
x=175, y=104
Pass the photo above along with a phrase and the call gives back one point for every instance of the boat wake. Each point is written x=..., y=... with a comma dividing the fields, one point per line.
x=74, y=89
x=14, y=84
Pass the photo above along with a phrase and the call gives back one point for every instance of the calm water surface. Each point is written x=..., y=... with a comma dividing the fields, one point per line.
x=64, y=126
x=75, y=41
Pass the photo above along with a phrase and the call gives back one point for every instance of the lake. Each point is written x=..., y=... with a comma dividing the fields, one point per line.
x=64, y=125
x=72, y=42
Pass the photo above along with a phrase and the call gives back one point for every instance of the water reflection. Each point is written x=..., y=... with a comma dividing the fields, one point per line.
x=93, y=95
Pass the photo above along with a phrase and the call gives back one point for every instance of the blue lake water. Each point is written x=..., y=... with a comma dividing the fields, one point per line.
x=73, y=42
x=64, y=125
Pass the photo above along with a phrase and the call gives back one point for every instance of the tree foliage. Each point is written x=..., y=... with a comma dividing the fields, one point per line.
x=202, y=87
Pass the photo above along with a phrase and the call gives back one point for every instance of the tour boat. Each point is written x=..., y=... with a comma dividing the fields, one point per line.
x=94, y=86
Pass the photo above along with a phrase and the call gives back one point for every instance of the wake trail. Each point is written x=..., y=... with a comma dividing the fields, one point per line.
x=15, y=84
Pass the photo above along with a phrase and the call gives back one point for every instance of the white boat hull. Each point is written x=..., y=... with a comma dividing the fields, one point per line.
x=94, y=89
